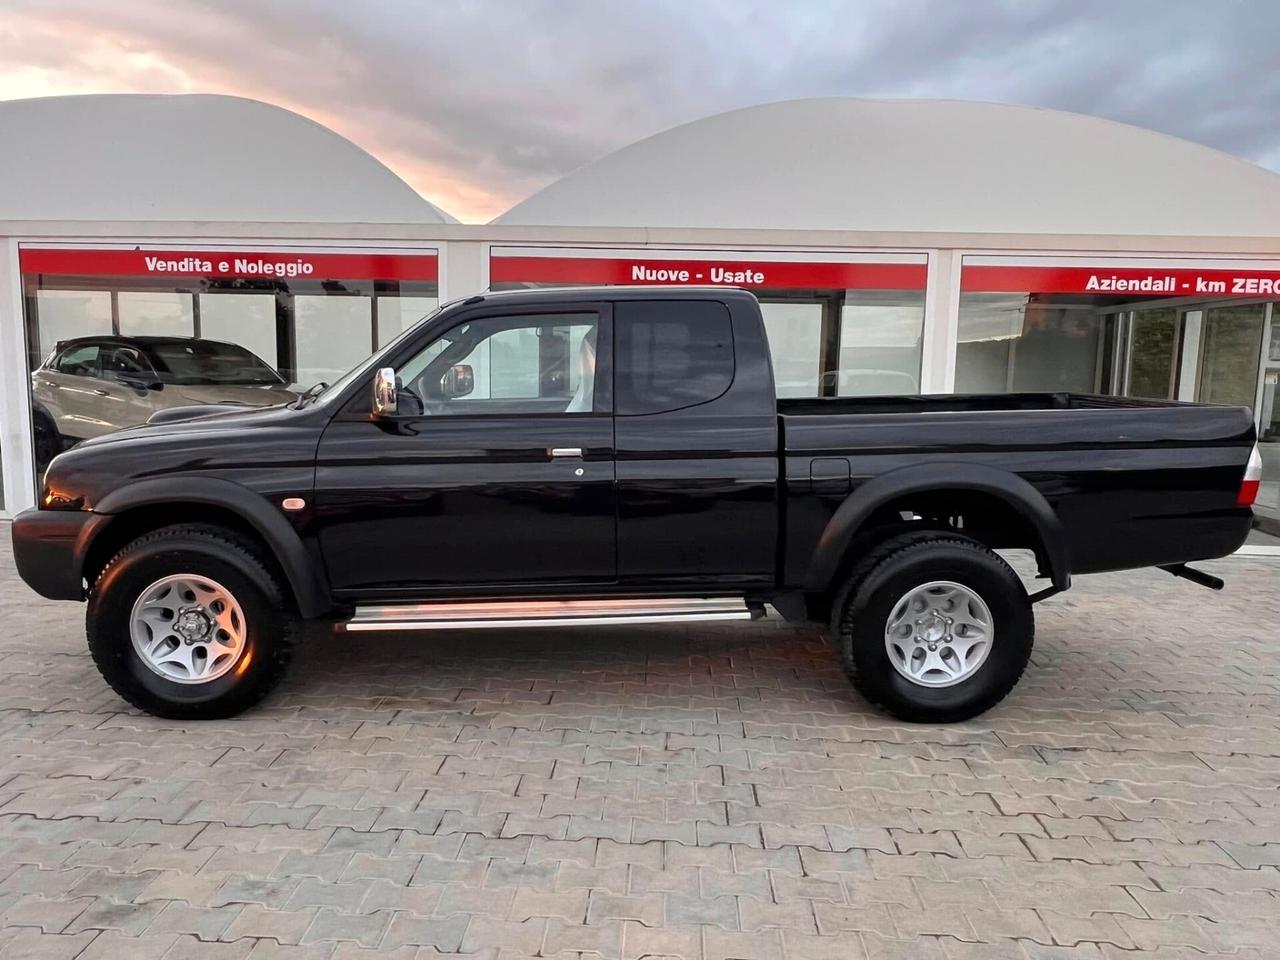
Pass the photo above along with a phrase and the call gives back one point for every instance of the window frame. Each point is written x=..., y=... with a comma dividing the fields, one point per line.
x=359, y=404
x=733, y=357
x=146, y=367
x=56, y=365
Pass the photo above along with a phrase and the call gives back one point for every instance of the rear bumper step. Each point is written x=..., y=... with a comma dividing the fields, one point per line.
x=505, y=614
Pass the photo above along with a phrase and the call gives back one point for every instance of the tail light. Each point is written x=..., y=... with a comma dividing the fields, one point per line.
x=1252, y=480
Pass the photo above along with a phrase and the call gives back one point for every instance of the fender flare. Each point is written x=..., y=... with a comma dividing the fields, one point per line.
x=300, y=569
x=1008, y=487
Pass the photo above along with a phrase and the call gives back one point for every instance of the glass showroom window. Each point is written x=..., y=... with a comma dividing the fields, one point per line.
x=242, y=317
x=881, y=332
x=845, y=343
x=794, y=329
x=144, y=330
x=67, y=313
x=1019, y=342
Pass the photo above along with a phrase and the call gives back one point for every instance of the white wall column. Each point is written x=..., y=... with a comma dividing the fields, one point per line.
x=464, y=269
x=941, y=323
x=1189, y=370
x=15, y=395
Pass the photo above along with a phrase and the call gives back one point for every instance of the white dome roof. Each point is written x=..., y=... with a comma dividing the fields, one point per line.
x=197, y=157
x=915, y=165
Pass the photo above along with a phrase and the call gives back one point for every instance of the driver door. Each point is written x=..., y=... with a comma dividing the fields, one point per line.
x=496, y=471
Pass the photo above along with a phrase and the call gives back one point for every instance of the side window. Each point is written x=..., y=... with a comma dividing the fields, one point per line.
x=671, y=354
x=79, y=361
x=543, y=363
x=124, y=363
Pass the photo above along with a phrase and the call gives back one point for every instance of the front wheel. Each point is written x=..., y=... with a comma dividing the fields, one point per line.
x=934, y=627
x=189, y=623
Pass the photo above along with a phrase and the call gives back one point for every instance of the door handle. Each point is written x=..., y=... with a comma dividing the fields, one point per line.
x=556, y=453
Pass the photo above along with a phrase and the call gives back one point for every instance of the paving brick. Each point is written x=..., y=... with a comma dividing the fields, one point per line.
x=130, y=919
x=519, y=937
x=283, y=926
x=443, y=933
x=189, y=947
x=51, y=916
x=34, y=945
x=719, y=944
x=207, y=923
x=640, y=942
x=267, y=893
x=681, y=911
x=569, y=905
x=385, y=895
x=113, y=945
x=331, y=924
x=647, y=909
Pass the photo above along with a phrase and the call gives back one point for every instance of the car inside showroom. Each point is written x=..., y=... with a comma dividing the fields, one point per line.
x=227, y=251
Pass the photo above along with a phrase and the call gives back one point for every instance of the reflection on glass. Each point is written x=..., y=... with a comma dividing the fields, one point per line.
x=1153, y=353
x=548, y=361
x=155, y=313
x=67, y=314
x=1026, y=342
x=248, y=319
x=795, y=343
x=1232, y=347
x=1268, y=506
x=397, y=314
x=332, y=336
x=880, y=342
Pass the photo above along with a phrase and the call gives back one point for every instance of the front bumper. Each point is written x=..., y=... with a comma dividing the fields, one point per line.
x=49, y=548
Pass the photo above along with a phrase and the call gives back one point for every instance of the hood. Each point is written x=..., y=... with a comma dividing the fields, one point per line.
x=199, y=419
x=252, y=395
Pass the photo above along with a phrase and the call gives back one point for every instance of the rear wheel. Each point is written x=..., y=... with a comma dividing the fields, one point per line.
x=934, y=627
x=189, y=623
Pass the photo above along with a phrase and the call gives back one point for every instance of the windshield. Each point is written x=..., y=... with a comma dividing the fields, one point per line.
x=341, y=384
x=194, y=362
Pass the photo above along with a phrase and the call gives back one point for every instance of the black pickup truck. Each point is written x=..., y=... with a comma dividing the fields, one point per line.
x=573, y=457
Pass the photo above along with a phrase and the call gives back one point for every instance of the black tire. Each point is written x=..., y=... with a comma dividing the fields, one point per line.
x=886, y=575
x=205, y=551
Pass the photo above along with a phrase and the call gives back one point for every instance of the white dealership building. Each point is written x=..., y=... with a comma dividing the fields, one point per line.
x=896, y=246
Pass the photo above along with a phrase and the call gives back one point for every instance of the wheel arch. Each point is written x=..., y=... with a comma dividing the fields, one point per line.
x=150, y=504
x=980, y=487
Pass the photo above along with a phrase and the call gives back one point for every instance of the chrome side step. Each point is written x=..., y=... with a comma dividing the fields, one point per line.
x=476, y=615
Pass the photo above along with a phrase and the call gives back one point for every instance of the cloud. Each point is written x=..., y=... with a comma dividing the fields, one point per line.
x=478, y=104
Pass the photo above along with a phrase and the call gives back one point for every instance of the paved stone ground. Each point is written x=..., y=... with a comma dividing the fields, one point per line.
x=708, y=793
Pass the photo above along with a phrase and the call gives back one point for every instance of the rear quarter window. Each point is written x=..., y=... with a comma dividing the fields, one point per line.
x=671, y=354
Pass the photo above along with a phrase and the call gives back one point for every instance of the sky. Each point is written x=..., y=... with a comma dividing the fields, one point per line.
x=479, y=103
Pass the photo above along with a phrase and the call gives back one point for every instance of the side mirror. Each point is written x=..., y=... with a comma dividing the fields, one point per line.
x=384, y=393
x=458, y=381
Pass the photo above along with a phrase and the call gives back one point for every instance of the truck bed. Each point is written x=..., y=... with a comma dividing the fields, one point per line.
x=1133, y=482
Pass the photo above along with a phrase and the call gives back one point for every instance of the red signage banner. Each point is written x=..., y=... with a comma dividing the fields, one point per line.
x=763, y=274
x=258, y=264
x=1108, y=280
